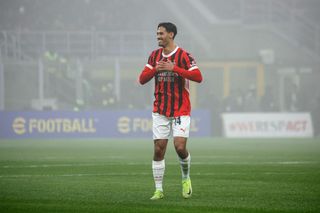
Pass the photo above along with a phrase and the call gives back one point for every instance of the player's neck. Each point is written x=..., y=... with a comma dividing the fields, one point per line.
x=168, y=49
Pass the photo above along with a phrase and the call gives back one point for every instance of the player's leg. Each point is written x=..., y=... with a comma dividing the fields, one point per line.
x=161, y=133
x=158, y=163
x=181, y=129
x=180, y=145
x=158, y=167
x=181, y=133
x=160, y=147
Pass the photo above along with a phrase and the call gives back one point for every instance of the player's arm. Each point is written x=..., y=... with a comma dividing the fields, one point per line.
x=191, y=70
x=147, y=74
x=192, y=74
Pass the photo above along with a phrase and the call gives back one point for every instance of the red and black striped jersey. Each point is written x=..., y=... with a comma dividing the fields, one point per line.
x=171, y=89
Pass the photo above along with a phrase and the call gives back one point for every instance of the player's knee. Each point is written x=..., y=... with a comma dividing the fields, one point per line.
x=158, y=150
x=181, y=150
x=158, y=155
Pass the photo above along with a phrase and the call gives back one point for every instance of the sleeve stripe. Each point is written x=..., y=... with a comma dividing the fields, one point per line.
x=193, y=68
x=149, y=66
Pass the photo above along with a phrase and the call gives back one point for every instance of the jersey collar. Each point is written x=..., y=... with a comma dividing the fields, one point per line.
x=170, y=54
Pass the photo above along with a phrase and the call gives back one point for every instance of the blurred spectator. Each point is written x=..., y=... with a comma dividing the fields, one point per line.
x=267, y=103
x=291, y=96
x=234, y=102
x=250, y=100
x=108, y=99
x=315, y=113
x=87, y=90
x=133, y=97
x=212, y=103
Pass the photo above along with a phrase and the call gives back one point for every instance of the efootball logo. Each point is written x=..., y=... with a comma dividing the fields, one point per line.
x=18, y=125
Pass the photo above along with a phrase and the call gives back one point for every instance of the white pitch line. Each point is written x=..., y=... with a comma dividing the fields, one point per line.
x=74, y=175
x=146, y=173
x=167, y=163
x=52, y=165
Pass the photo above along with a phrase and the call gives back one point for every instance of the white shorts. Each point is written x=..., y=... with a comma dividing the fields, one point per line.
x=164, y=127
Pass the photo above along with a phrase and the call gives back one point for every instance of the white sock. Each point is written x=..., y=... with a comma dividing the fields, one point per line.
x=185, y=166
x=158, y=168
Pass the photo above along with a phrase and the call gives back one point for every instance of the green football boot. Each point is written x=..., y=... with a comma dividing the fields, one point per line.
x=186, y=188
x=157, y=195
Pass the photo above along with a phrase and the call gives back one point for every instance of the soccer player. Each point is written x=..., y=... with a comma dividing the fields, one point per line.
x=172, y=68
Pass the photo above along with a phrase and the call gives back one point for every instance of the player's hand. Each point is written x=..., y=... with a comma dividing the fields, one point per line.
x=164, y=66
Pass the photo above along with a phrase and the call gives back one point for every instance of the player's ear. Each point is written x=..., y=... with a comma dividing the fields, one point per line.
x=171, y=34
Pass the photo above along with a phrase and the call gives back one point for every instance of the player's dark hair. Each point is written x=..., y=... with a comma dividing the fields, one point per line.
x=170, y=27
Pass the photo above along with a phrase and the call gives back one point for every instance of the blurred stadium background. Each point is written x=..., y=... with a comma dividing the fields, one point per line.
x=69, y=69
x=255, y=56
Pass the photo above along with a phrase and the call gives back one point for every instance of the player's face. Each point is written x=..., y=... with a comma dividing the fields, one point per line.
x=163, y=37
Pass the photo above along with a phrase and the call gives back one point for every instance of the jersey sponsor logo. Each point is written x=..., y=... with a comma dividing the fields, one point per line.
x=166, y=76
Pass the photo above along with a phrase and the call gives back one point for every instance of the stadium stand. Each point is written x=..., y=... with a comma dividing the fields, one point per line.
x=109, y=41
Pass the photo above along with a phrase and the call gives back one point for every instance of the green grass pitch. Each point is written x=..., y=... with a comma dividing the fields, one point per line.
x=113, y=175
